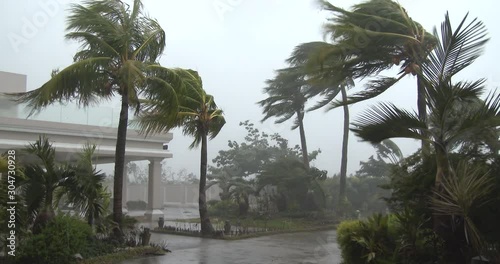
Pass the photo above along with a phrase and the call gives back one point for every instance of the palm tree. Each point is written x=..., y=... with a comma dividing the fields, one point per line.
x=118, y=56
x=287, y=96
x=375, y=36
x=199, y=117
x=317, y=69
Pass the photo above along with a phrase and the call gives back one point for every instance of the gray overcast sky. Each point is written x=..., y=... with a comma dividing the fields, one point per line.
x=235, y=50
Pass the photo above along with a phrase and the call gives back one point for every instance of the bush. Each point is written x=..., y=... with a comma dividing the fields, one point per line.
x=98, y=247
x=137, y=205
x=367, y=241
x=63, y=237
x=223, y=208
x=350, y=251
x=399, y=238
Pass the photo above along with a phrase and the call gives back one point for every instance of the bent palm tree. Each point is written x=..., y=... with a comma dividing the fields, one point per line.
x=118, y=56
x=375, y=36
x=323, y=80
x=199, y=117
x=286, y=99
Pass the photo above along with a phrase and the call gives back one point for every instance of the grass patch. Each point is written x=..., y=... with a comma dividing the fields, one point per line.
x=279, y=223
x=126, y=254
x=250, y=235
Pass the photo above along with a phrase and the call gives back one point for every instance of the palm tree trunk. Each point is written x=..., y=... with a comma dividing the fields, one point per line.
x=121, y=141
x=345, y=141
x=443, y=170
x=45, y=215
x=442, y=224
x=303, y=143
x=422, y=112
x=206, y=226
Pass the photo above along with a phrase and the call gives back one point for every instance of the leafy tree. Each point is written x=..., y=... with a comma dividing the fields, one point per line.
x=292, y=180
x=258, y=153
x=118, y=56
x=199, y=117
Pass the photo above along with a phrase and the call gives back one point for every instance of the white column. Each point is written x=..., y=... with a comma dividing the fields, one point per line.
x=155, y=194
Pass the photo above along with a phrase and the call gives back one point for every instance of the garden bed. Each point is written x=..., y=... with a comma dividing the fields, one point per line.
x=125, y=254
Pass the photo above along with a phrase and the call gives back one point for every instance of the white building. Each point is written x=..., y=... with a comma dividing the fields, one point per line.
x=69, y=127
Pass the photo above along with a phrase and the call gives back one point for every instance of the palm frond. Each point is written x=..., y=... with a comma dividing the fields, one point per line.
x=83, y=81
x=373, y=89
x=457, y=49
x=386, y=121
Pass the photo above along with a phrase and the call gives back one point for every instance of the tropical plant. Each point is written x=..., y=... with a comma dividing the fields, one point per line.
x=287, y=96
x=42, y=178
x=118, y=56
x=448, y=124
x=199, y=117
x=456, y=113
x=470, y=188
x=85, y=191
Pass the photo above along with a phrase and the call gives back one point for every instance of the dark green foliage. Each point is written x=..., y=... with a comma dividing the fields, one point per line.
x=369, y=241
x=223, y=208
x=411, y=184
x=136, y=205
x=350, y=251
x=98, y=247
x=417, y=242
x=61, y=238
x=398, y=238
x=362, y=193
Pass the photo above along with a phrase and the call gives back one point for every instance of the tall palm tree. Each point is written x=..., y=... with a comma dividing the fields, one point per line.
x=374, y=36
x=323, y=79
x=199, y=117
x=118, y=56
x=287, y=96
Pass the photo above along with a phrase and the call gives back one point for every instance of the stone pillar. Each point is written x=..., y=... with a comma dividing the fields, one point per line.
x=155, y=192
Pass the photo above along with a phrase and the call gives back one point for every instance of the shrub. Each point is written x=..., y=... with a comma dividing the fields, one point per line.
x=397, y=238
x=98, y=247
x=63, y=237
x=350, y=250
x=137, y=205
x=223, y=208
